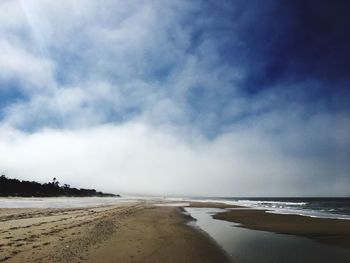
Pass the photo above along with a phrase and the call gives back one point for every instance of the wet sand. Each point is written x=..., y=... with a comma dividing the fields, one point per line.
x=126, y=232
x=328, y=231
x=212, y=205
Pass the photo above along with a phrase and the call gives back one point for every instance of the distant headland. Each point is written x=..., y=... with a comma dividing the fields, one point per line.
x=16, y=188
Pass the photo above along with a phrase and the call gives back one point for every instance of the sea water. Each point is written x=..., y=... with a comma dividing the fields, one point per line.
x=314, y=207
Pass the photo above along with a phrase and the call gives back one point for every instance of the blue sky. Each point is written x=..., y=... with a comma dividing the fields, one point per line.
x=177, y=97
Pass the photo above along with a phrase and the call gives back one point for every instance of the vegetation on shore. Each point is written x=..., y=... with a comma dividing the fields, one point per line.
x=15, y=187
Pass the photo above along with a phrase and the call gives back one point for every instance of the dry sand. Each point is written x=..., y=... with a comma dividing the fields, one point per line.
x=127, y=232
x=328, y=231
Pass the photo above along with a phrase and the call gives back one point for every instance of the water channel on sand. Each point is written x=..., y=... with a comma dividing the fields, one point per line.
x=251, y=246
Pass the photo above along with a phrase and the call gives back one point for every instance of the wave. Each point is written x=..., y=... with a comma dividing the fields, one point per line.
x=282, y=203
x=312, y=208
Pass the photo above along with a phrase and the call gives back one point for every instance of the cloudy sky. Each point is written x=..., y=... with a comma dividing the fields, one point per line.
x=219, y=98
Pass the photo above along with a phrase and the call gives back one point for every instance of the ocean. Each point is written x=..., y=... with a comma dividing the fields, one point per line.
x=314, y=207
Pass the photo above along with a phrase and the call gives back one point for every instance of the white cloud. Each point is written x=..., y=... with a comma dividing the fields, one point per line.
x=111, y=80
x=66, y=48
x=138, y=158
x=33, y=71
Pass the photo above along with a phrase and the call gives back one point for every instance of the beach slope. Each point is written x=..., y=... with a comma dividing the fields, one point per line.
x=127, y=232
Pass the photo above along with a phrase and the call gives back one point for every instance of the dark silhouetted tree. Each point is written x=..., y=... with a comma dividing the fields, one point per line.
x=14, y=187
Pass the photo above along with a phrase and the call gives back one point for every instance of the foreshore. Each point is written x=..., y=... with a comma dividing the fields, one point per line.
x=142, y=231
x=125, y=232
x=328, y=231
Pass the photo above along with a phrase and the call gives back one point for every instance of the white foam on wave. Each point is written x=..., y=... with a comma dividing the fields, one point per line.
x=275, y=203
x=309, y=213
x=276, y=207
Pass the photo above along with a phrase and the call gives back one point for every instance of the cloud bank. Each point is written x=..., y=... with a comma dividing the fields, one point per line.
x=177, y=98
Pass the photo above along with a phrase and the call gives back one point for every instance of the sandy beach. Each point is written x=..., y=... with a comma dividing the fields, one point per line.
x=140, y=231
x=126, y=232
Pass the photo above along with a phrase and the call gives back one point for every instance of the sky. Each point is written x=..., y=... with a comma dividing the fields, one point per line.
x=200, y=98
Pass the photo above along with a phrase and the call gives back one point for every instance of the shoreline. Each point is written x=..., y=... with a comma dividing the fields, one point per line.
x=145, y=231
x=250, y=204
x=124, y=232
x=328, y=231
x=246, y=244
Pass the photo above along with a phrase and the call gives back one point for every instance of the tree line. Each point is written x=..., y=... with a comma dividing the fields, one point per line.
x=15, y=187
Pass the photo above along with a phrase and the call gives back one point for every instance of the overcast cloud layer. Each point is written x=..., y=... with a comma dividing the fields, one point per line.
x=222, y=98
